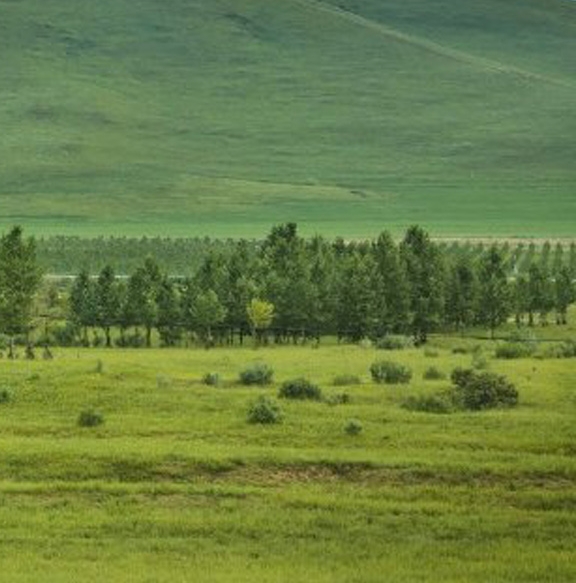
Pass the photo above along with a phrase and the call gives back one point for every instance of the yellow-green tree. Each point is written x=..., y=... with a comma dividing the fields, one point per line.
x=260, y=315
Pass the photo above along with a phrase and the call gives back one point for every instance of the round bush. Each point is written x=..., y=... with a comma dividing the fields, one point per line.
x=301, y=389
x=433, y=374
x=353, y=427
x=390, y=373
x=212, y=379
x=264, y=411
x=395, y=342
x=439, y=403
x=90, y=419
x=477, y=391
x=512, y=350
x=4, y=396
x=257, y=374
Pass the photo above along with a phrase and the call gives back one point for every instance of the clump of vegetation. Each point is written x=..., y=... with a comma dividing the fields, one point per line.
x=438, y=403
x=395, y=342
x=390, y=373
x=257, y=374
x=301, y=389
x=163, y=381
x=353, y=427
x=99, y=368
x=211, y=379
x=345, y=380
x=265, y=411
x=512, y=350
x=90, y=418
x=5, y=396
x=432, y=373
x=566, y=349
x=460, y=350
x=477, y=391
x=338, y=399
x=431, y=352
x=479, y=360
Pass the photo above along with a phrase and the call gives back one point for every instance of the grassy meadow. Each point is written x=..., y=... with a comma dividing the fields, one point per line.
x=177, y=486
x=223, y=117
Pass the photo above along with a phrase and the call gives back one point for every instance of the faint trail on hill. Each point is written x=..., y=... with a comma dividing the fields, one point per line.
x=487, y=65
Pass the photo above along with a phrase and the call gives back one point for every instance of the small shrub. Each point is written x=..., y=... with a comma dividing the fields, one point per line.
x=390, y=373
x=431, y=353
x=479, y=361
x=353, y=427
x=439, y=403
x=395, y=342
x=460, y=350
x=433, y=374
x=264, y=411
x=66, y=335
x=338, y=399
x=566, y=349
x=257, y=374
x=511, y=350
x=477, y=391
x=99, y=368
x=211, y=379
x=90, y=418
x=5, y=396
x=163, y=381
x=345, y=380
x=301, y=389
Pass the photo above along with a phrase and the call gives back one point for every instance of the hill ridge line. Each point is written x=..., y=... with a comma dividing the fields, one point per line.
x=489, y=65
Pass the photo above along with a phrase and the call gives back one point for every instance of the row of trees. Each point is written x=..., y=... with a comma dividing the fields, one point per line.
x=293, y=288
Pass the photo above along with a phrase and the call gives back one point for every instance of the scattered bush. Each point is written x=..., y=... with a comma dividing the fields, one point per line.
x=479, y=361
x=257, y=374
x=353, y=427
x=566, y=349
x=212, y=379
x=460, y=350
x=395, y=342
x=390, y=373
x=338, y=399
x=433, y=374
x=477, y=391
x=345, y=380
x=300, y=389
x=264, y=411
x=90, y=418
x=511, y=350
x=4, y=396
x=439, y=403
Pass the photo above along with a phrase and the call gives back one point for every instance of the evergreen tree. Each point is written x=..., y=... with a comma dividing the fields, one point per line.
x=20, y=279
x=494, y=291
x=108, y=301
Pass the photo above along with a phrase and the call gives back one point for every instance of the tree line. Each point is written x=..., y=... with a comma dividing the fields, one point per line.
x=289, y=288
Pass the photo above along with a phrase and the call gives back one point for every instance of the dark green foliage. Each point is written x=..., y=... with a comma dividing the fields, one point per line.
x=494, y=295
x=212, y=379
x=566, y=349
x=433, y=374
x=301, y=389
x=395, y=342
x=438, y=403
x=257, y=374
x=90, y=418
x=460, y=350
x=353, y=427
x=265, y=411
x=344, y=380
x=478, y=391
x=390, y=373
x=512, y=350
x=431, y=352
x=5, y=396
x=338, y=399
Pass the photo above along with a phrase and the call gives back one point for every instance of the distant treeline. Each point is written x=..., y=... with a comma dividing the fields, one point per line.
x=183, y=256
x=288, y=288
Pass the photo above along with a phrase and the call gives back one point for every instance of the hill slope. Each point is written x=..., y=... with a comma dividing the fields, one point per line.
x=221, y=117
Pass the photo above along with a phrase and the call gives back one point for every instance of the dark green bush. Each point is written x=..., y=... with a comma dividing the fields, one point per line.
x=135, y=340
x=4, y=396
x=90, y=418
x=264, y=411
x=431, y=353
x=338, y=399
x=390, y=373
x=257, y=374
x=433, y=374
x=212, y=379
x=353, y=427
x=395, y=342
x=439, y=403
x=345, y=380
x=566, y=349
x=300, y=389
x=460, y=350
x=477, y=391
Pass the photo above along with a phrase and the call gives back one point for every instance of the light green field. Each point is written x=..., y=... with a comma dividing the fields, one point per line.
x=176, y=486
x=223, y=117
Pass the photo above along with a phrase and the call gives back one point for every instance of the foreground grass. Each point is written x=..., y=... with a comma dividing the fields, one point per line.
x=177, y=485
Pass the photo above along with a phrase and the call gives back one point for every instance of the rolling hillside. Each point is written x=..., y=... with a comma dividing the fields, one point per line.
x=220, y=117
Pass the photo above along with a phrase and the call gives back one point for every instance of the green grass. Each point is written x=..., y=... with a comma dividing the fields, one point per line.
x=176, y=484
x=222, y=118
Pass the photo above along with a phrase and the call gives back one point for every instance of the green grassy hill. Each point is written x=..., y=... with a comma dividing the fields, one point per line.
x=221, y=117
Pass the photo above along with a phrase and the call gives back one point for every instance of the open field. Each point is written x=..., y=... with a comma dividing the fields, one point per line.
x=223, y=117
x=176, y=485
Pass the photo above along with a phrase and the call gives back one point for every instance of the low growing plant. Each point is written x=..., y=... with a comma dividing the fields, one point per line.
x=212, y=379
x=477, y=391
x=395, y=342
x=345, y=380
x=301, y=389
x=433, y=374
x=390, y=373
x=264, y=411
x=257, y=374
x=353, y=427
x=90, y=418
